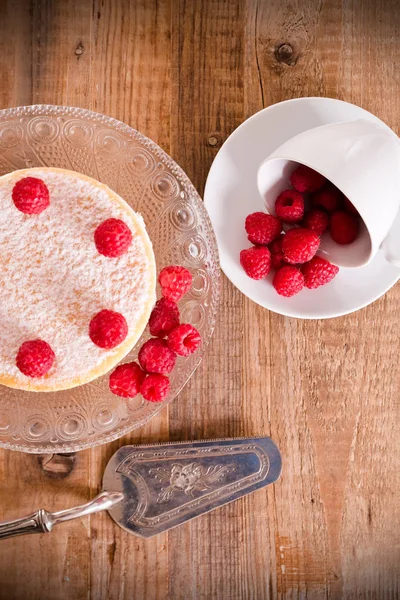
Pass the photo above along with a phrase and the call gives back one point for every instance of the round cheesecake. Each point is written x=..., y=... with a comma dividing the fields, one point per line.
x=54, y=280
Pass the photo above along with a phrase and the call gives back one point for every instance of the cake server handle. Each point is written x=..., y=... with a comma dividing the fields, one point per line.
x=43, y=521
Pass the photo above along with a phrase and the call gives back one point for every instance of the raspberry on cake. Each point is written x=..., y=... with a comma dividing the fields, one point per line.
x=35, y=358
x=31, y=195
x=108, y=329
x=53, y=280
x=113, y=238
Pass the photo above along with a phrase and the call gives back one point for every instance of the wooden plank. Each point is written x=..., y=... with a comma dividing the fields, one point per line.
x=67, y=67
x=322, y=396
x=130, y=59
x=16, y=71
x=207, y=104
x=186, y=74
x=45, y=66
x=369, y=543
x=130, y=80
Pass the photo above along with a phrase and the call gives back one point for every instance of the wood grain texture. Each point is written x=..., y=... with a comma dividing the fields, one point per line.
x=187, y=73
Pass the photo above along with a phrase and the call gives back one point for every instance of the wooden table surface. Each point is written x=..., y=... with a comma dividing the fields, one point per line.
x=186, y=74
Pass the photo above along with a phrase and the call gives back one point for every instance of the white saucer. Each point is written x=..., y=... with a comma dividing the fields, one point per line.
x=231, y=194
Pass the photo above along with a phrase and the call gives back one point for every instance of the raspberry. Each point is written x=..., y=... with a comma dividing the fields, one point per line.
x=349, y=207
x=31, y=195
x=155, y=388
x=184, y=339
x=329, y=198
x=112, y=238
x=262, y=228
x=317, y=220
x=156, y=357
x=164, y=317
x=256, y=261
x=275, y=248
x=35, y=358
x=344, y=227
x=288, y=281
x=289, y=206
x=304, y=179
x=126, y=380
x=108, y=329
x=175, y=281
x=318, y=272
x=299, y=245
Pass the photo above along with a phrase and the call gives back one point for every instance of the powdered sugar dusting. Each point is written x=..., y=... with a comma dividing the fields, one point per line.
x=53, y=280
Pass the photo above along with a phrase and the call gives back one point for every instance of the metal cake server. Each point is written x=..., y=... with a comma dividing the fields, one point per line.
x=149, y=489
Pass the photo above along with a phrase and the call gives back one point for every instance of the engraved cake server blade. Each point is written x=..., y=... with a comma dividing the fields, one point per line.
x=148, y=489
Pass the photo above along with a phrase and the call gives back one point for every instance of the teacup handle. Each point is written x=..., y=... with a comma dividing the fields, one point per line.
x=391, y=244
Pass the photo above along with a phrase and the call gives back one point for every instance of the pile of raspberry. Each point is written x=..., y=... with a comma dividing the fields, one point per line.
x=289, y=240
x=108, y=329
x=171, y=338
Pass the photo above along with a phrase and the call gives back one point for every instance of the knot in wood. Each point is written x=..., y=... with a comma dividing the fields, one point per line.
x=79, y=50
x=284, y=53
x=213, y=141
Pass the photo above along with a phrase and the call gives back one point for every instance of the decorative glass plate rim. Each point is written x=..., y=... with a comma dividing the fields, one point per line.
x=53, y=110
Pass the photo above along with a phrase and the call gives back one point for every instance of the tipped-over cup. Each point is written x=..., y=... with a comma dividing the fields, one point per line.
x=362, y=159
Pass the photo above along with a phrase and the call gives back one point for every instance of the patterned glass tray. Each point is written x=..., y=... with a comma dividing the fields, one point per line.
x=181, y=232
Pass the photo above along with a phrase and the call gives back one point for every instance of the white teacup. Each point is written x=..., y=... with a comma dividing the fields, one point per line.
x=362, y=159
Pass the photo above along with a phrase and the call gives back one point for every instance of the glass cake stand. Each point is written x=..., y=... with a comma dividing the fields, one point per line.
x=181, y=232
